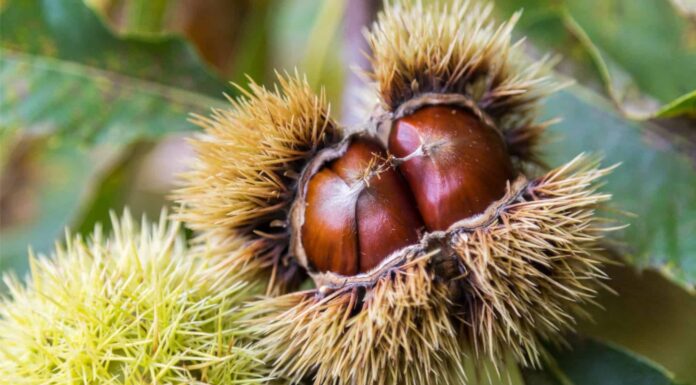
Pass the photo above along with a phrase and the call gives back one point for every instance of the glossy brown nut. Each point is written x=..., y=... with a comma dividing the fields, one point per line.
x=355, y=217
x=456, y=166
x=329, y=234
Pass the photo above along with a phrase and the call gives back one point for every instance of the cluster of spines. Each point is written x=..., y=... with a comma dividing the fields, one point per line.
x=398, y=331
x=250, y=156
x=239, y=192
x=528, y=274
x=522, y=279
x=133, y=307
x=456, y=48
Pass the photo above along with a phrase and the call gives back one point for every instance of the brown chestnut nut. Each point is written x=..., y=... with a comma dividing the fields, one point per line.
x=358, y=211
x=455, y=165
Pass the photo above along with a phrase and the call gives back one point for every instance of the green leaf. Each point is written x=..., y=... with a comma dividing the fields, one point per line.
x=642, y=37
x=50, y=96
x=649, y=315
x=683, y=106
x=64, y=72
x=323, y=38
x=590, y=362
x=68, y=30
x=632, y=47
x=654, y=183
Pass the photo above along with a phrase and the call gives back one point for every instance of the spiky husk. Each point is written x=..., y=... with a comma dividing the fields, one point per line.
x=398, y=331
x=494, y=290
x=518, y=280
x=134, y=307
x=526, y=276
x=248, y=160
x=456, y=48
x=264, y=261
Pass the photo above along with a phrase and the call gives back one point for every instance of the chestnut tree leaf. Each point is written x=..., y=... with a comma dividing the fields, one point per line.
x=64, y=72
x=684, y=106
x=649, y=315
x=590, y=362
x=45, y=95
x=70, y=31
x=654, y=187
x=642, y=52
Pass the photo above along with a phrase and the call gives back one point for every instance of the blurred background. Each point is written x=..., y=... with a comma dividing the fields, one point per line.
x=95, y=96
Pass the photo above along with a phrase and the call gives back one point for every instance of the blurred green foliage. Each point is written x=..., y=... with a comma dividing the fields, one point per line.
x=631, y=48
x=68, y=31
x=642, y=56
x=94, y=98
x=654, y=187
x=591, y=362
x=648, y=315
